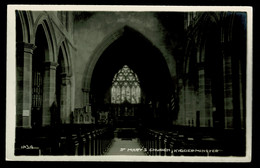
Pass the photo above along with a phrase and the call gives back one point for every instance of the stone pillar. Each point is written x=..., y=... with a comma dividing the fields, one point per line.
x=201, y=105
x=85, y=97
x=181, y=116
x=24, y=52
x=208, y=104
x=204, y=102
x=65, y=99
x=189, y=105
x=228, y=89
x=205, y=99
x=49, y=88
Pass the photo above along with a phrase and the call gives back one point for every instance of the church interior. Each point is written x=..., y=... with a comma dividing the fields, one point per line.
x=169, y=83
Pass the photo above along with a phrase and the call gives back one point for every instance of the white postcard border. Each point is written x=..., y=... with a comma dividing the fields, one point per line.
x=11, y=82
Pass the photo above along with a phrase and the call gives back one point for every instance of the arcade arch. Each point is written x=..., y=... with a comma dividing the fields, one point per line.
x=147, y=62
x=108, y=41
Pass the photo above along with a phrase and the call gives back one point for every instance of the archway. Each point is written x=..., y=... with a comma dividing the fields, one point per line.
x=110, y=39
x=24, y=52
x=23, y=26
x=147, y=62
x=43, y=76
x=38, y=76
x=61, y=106
x=19, y=28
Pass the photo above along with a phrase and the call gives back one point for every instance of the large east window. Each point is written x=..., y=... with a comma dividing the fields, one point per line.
x=125, y=87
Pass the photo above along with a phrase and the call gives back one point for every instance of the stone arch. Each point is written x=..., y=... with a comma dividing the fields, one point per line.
x=38, y=77
x=31, y=26
x=45, y=22
x=97, y=53
x=19, y=29
x=45, y=38
x=63, y=47
x=199, y=36
x=24, y=53
x=228, y=27
x=62, y=86
x=26, y=26
x=224, y=24
x=103, y=46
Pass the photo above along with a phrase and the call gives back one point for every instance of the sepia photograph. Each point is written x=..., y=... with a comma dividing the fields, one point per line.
x=129, y=83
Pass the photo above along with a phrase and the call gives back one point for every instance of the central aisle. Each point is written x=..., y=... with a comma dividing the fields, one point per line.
x=125, y=147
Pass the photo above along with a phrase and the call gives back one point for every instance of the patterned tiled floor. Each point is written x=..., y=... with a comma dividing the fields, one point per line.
x=125, y=147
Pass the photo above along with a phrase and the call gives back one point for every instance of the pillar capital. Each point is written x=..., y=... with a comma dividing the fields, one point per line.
x=51, y=65
x=25, y=47
x=65, y=78
x=65, y=75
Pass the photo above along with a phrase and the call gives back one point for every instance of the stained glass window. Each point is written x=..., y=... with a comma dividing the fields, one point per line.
x=125, y=87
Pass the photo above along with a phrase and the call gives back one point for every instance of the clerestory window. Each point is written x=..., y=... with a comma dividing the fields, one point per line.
x=125, y=87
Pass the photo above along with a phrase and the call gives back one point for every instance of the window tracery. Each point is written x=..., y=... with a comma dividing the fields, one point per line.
x=125, y=87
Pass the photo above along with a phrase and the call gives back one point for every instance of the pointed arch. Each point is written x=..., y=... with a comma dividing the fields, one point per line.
x=38, y=72
x=104, y=45
x=44, y=67
x=97, y=53
x=45, y=22
x=25, y=22
x=20, y=33
x=63, y=47
x=63, y=85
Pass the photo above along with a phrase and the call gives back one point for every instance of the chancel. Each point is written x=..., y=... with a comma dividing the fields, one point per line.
x=125, y=95
x=130, y=83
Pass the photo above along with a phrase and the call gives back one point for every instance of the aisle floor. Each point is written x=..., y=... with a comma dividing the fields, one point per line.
x=125, y=147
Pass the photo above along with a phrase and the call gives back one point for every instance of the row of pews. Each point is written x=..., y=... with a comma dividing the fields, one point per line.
x=95, y=142
x=65, y=140
x=92, y=140
x=188, y=142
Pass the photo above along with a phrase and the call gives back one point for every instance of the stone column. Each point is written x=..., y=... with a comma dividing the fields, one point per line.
x=201, y=102
x=208, y=104
x=181, y=116
x=65, y=99
x=228, y=88
x=49, y=88
x=205, y=99
x=24, y=52
x=189, y=105
x=204, y=102
x=85, y=97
